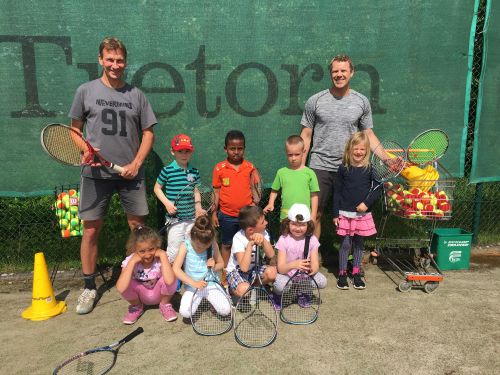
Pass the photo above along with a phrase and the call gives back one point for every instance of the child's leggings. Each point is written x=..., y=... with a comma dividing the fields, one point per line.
x=137, y=290
x=348, y=242
x=281, y=280
x=212, y=294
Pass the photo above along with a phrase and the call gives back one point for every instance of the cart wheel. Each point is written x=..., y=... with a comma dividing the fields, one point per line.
x=431, y=286
x=405, y=286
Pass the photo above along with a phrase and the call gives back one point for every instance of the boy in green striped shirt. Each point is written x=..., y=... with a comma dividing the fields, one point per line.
x=172, y=179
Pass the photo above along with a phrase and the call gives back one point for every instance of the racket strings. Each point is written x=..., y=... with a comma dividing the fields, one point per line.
x=207, y=199
x=97, y=362
x=256, y=186
x=300, y=300
x=186, y=199
x=255, y=319
x=388, y=160
x=185, y=203
x=428, y=147
x=63, y=144
x=213, y=315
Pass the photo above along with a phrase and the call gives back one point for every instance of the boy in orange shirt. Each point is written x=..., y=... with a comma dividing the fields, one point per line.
x=231, y=183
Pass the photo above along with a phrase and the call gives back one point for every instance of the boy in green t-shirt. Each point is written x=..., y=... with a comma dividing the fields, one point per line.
x=298, y=184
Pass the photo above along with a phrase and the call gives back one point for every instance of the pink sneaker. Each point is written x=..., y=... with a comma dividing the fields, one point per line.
x=168, y=312
x=134, y=312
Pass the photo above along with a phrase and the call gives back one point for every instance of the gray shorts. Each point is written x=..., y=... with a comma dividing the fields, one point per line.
x=95, y=195
x=326, y=181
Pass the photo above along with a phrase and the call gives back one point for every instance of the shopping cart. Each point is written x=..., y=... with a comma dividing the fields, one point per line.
x=413, y=204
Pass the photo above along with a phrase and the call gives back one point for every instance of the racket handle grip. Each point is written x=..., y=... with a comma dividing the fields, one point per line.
x=116, y=168
x=129, y=337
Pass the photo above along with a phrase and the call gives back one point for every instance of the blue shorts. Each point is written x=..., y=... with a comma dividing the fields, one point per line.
x=229, y=226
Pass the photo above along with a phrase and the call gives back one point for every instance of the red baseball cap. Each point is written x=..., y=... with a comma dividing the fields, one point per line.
x=182, y=142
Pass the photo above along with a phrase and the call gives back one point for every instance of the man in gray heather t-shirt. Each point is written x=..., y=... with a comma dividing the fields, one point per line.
x=329, y=119
x=118, y=121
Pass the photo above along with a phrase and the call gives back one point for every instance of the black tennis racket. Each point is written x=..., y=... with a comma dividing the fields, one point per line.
x=186, y=200
x=211, y=307
x=95, y=361
x=300, y=299
x=256, y=186
x=67, y=145
x=387, y=161
x=428, y=147
x=255, y=319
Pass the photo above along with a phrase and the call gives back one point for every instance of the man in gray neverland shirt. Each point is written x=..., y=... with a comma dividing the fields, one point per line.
x=329, y=119
x=119, y=122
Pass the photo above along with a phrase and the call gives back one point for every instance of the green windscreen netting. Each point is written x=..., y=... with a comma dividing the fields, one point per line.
x=486, y=154
x=208, y=67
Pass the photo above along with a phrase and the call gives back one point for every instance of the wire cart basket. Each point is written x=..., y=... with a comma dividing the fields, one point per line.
x=416, y=203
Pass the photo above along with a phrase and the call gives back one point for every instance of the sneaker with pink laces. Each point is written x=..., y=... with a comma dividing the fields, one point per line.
x=168, y=312
x=134, y=312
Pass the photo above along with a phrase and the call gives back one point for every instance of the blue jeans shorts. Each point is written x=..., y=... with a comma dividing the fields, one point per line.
x=229, y=226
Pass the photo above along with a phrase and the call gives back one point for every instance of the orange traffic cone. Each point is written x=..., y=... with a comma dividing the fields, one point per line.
x=43, y=303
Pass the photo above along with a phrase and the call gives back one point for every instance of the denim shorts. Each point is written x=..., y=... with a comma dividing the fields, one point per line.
x=229, y=226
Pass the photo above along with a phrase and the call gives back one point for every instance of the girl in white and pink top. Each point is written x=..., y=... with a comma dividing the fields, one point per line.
x=290, y=245
x=147, y=277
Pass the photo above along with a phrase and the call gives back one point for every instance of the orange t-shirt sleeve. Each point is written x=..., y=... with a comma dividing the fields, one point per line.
x=215, y=178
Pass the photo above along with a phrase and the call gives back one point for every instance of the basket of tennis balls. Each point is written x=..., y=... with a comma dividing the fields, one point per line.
x=66, y=211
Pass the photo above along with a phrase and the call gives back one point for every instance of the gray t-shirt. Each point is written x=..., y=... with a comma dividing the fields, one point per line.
x=333, y=121
x=115, y=119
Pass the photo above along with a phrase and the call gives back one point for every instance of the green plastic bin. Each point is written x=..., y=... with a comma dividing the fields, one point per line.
x=452, y=248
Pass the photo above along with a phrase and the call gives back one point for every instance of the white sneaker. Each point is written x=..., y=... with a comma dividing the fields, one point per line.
x=86, y=301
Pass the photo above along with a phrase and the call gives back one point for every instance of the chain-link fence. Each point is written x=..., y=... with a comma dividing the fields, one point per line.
x=29, y=225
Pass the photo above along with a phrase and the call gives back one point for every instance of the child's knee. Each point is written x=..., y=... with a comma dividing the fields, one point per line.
x=225, y=309
x=241, y=289
x=270, y=273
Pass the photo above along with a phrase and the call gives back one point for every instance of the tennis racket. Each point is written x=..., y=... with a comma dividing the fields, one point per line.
x=255, y=319
x=185, y=202
x=387, y=161
x=300, y=299
x=211, y=307
x=95, y=361
x=67, y=145
x=428, y=147
x=256, y=186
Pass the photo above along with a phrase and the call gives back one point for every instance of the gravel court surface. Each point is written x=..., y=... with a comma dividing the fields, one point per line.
x=379, y=330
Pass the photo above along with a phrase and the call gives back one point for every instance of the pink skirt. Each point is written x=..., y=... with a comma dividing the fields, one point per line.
x=362, y=226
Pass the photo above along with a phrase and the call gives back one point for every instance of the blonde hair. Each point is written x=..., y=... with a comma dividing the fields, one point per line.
x=142, y=234
x=356, y=139
x=294, y=140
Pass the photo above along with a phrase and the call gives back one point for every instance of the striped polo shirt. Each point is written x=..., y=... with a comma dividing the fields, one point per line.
x=174, y=181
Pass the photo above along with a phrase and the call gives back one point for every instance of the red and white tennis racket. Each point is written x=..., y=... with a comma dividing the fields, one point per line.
x=67, y=145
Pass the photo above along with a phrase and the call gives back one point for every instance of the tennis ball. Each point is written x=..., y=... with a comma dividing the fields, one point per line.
x=75, y=223
x=63, y=223
x=60, y=213
x=73, y=210
x=65, y=233
x=67, y=215
x=65, y=200
x=59, y=204
x=72, y=192
x=74, y=233
x=61, y=195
